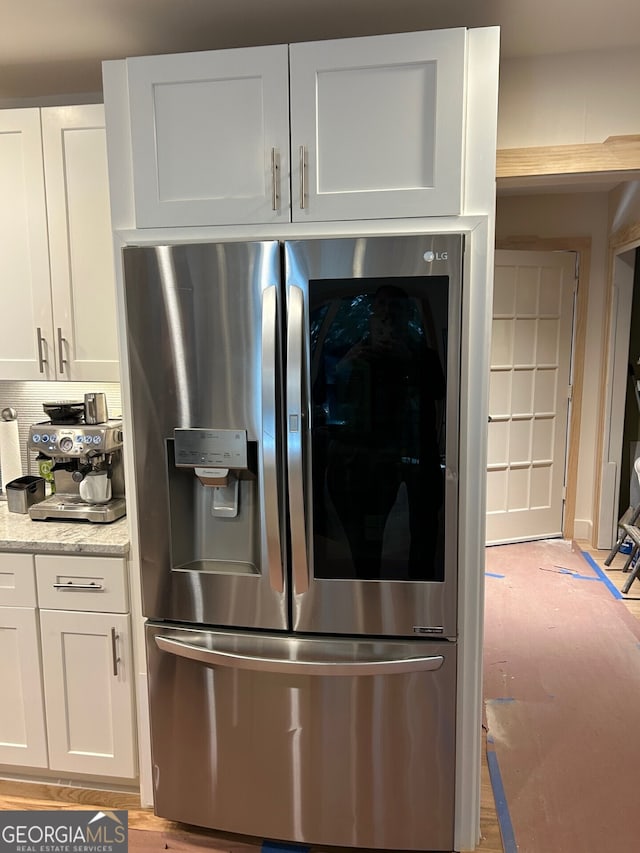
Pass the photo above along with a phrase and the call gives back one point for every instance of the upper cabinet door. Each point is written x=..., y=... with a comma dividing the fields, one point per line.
x=377, y=126
x=80, y=243
x=210, y=141
x=26, y=343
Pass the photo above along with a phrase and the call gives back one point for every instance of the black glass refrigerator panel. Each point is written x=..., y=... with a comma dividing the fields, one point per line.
x=378, y=355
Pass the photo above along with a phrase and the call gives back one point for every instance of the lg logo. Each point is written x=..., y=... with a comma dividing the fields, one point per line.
x=435, y=256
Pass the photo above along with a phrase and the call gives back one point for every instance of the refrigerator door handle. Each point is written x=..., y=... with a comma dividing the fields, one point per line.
x=312, y=666
x=269, y=444
x=295, y=439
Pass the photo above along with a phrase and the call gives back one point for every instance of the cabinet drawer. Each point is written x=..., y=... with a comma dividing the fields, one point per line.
x=17, y=581
x=82, y=583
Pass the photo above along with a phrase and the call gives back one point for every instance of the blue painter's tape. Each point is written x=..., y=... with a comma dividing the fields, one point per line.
x=492, y=575
x=277, y=847
x=502, y=809
x=578, y=577
x=500, y=700
x=615, y=592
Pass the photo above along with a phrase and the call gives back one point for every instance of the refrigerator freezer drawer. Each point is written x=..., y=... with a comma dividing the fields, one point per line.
x=319, y=741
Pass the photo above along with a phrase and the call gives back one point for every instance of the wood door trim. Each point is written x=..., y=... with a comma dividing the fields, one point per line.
x=582, y=247
x=626, y=238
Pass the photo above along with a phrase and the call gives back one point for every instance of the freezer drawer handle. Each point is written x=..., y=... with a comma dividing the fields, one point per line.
x=234, y=660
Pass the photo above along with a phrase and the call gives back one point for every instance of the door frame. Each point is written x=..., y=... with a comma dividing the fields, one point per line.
x=581, y=246
x=612, y=380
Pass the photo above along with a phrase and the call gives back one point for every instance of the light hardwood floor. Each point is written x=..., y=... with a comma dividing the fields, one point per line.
x=617, y=577
x=34, y=796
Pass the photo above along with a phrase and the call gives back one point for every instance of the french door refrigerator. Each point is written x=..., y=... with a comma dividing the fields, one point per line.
x=295, y=435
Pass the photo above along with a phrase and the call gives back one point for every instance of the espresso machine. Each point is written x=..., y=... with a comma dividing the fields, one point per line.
x=79, y=450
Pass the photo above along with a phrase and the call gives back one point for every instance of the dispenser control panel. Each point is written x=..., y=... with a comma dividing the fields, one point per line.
x=210, y=448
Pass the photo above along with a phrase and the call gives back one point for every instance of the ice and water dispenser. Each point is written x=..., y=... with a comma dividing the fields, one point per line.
x=214, y=506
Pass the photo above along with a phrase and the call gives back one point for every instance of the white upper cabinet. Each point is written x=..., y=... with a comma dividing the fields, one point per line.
x=24, y=250
x=209, y=137
x=56, y=251
x=80, y=243
x=377, y=126
x=374, y=128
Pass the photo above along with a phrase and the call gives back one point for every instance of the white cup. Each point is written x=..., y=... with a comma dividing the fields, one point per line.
x=96, y=488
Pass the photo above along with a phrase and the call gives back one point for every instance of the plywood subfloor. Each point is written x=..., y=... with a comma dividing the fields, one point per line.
x=562, y=682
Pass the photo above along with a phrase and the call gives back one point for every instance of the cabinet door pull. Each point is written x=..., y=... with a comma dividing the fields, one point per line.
x=275, y=179
x=91, y=586
x=41, y=345
x=61, y=341
x=303, y=177
x=114, y=650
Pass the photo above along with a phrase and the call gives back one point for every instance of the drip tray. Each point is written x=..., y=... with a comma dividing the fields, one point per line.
x=218, y=567
x=63, y=507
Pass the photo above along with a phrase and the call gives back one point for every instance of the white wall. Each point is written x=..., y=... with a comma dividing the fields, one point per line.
x=573, y=215
x=563, y=100
x=569, y=98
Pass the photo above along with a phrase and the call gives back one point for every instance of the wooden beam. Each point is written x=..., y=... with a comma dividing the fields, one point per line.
x=615, y=154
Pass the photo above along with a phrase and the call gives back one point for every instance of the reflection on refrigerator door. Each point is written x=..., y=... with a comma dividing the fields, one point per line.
x=373, y=336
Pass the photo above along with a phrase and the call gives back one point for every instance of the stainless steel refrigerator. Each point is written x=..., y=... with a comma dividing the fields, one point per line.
x=295, y=434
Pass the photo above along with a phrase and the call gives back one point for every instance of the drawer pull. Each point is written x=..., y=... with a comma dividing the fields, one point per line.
x=275, y=179
x=42, y=343
x=94, y=587
x=61, y=341
x=303, y=177
x=114, y=651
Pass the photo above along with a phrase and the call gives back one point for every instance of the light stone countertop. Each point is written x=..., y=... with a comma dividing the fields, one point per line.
x=19, y=533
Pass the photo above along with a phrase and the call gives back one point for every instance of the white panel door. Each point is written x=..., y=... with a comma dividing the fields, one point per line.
x=80, y=243
x=26, y=339
x=529, y=394
x=208, y=131
x=23, y=740
x=377, y=126
x=88, y=674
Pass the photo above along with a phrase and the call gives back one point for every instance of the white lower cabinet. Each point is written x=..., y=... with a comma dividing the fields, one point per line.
x=23, y=739
x=66, y=665
x=86, y=665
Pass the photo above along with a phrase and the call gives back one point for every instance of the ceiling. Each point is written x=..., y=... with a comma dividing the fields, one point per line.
x=52, y=48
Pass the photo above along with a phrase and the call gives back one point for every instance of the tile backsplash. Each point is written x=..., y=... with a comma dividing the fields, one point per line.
x=27, y=399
